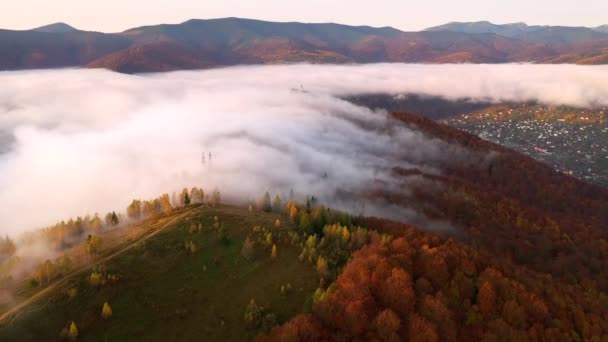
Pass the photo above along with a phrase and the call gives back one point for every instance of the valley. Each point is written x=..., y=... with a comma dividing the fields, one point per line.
x=307, y=171
x=572, y=140
x=277, y=270
x=313, y=206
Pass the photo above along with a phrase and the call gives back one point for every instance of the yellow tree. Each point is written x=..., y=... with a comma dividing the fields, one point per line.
x=165, y=203
x=274, y=251
x=134, y=210
x=73, y=331
x=293, y=213
x=93, y=244
x=323, y=268
x=106, y=311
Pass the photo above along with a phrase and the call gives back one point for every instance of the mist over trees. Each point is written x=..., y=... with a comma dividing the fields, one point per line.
x=69, y=243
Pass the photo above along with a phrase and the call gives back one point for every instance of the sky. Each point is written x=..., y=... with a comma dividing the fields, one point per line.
x=119, y=15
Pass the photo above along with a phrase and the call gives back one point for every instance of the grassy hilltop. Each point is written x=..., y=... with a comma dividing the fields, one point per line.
x=163, y=289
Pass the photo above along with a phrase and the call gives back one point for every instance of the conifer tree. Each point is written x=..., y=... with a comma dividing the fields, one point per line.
x=277, y=204
x=266, y=203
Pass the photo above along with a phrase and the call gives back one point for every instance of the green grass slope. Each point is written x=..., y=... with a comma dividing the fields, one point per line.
x=162, y=291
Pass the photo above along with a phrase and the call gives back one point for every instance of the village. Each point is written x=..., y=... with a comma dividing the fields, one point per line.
x=572, y=142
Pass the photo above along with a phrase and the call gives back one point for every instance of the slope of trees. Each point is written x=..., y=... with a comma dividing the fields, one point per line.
x=526, y=258
x=423, y=287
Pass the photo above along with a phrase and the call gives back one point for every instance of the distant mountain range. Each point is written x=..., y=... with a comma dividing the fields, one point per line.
x=197, y=44
x=513, y=30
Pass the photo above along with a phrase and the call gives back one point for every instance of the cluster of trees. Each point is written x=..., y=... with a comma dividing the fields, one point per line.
x=191, y=247
x=311, y=219
x=93, y=245
x=164, y=204
x=267, y=204
x=566, y=248
x=423, y=287
x=327, y=237
x=67, y=234
x=139, y=209
x=99, y=278
x=519, y=207
x=258, y=317
x=330, y=252
x=7, y=248
x=49, y=270
x=261, y=241
x=529, y=260
x=70, y=332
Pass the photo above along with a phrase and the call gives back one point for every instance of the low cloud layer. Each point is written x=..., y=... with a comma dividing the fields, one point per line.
x=82, y=141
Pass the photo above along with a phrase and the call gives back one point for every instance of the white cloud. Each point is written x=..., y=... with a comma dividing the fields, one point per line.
x=85, y=141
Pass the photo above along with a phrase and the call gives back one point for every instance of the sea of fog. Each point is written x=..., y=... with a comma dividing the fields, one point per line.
x=77, y=141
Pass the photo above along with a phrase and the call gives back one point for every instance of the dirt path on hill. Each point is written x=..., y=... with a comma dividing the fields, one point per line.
x=14, y=311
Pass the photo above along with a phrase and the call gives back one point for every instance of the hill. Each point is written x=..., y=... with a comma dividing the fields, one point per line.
x=508, y=30
x=234, y=41
x=159, y=290
x=513, y=275
x=521, y=254
x=33, y=49
x=56, y=28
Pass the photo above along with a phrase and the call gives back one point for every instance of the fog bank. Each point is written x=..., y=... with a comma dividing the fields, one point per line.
x=83, y=141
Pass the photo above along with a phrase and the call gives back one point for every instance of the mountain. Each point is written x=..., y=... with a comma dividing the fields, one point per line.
x=560, y=35
x=603, y=28
x=34, y=49
x=197, y=44
x=549, y=35
x=507, y=30
x=55, y=28
x=522, y=255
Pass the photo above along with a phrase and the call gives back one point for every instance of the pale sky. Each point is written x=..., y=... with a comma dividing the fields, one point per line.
x=119, y=15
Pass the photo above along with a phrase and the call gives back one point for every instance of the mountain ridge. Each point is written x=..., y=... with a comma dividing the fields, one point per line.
x=55, y=28
x=207, y=43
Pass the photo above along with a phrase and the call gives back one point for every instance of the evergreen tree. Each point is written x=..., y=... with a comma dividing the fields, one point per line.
x=215, y=199
x=184, y=198
x=111, y=219
x=277, y=204
x=266, y=203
